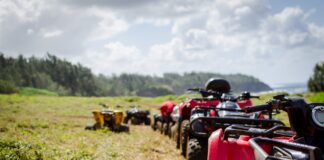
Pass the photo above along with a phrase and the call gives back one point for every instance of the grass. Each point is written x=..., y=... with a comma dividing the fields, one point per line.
x=52, y=127
x=45, y=127
x=315, y=97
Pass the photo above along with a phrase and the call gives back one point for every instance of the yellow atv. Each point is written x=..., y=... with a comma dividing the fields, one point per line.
x=110, y=119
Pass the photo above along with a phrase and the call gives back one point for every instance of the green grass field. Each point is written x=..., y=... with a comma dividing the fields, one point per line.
x=52, y=127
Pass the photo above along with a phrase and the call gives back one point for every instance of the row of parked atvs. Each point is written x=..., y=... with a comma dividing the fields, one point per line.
x=221, y=126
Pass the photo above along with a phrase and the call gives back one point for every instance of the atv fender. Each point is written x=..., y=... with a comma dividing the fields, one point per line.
x=230, y=149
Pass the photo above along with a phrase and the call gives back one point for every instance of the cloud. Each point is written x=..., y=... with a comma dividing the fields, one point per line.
x=114, y=57
x=108, y=24
x=244, y=36
x=49, y=34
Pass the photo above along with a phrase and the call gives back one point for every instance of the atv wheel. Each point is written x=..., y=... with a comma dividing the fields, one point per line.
x=169, y=131
x=159, y=126
x=175, y=135
x=147, y=121
x=135, y=121
x=154, y=125
x=126, y=120
x=165, y=129
x=196, y=149
x=122, y=128
x=184, y=137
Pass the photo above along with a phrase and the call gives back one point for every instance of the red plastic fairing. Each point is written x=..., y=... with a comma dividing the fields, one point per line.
x=166, y=108
x=193, y=103
x=234, y=149
x=212, y=113
x=245, y=103
x=231, y=149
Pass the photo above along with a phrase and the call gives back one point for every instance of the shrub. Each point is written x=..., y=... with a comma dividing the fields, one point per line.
x=316, y=82
x=7, y=87
x=28, y=91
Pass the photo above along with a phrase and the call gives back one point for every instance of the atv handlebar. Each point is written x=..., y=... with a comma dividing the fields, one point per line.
x=243, y=130
x=257, y=108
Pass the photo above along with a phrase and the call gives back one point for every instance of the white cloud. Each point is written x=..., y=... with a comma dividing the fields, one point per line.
x=113, y=57
x=50, y=34
x=108, y=25
x=214, y=35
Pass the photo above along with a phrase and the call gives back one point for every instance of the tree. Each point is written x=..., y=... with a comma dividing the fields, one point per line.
x=316, y=82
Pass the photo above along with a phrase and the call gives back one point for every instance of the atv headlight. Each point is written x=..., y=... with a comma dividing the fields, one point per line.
x=318, y=115
x=200, y=127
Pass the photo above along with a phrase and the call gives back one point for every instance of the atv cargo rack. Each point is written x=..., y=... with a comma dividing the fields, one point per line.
x=223, y=122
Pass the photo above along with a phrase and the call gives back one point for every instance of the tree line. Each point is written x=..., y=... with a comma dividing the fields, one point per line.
x=316, y=81
x=63, y=77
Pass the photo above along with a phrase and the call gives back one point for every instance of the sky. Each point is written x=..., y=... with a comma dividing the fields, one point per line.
x=277, y=41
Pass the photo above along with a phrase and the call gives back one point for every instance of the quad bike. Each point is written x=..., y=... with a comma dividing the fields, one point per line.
x=195, y=146
x=137, y=116
x=162, y=123
x=303, y=141
x=111, y=119
x=163, y=120
x=183, y=115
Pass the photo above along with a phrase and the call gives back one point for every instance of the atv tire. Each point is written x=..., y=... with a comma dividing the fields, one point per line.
x=184, y=137
x=126, y=120
x=159, y=127
x=122, y=128
x=135, y=121
x=154, y=125
x=175, y=135
x=169, y=130
x=165, y=128
x=147, y=121
x=196, y=149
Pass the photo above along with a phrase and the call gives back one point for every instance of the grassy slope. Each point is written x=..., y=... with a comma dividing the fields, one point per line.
x=53, y=128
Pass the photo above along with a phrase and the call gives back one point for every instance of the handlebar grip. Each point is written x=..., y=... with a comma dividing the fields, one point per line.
x=257, y=108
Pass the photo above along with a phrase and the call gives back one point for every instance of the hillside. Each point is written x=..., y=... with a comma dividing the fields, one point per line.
x=64, y=78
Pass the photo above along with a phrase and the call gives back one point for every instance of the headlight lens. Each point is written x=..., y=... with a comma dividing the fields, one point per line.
x=197, y=126
x=318, y=115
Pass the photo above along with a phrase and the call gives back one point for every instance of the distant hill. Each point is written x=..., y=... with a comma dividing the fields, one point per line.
x=62, y=77
x=172, y=83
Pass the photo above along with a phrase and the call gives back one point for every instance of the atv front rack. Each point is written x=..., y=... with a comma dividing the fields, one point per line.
x=311, y=152
x=223, y=122
x=253, y=132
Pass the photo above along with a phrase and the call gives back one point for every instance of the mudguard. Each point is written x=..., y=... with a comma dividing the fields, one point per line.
x=231, y=149
x=185, y=107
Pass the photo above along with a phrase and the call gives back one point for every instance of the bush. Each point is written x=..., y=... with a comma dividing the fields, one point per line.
x=316, y=82
x=7, y=87
x=27, y=91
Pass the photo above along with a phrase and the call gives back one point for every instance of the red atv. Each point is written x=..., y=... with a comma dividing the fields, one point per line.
x=184, y=111
x=162, y=121
x=304, y=141
x=195, y=137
